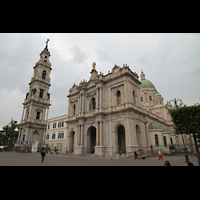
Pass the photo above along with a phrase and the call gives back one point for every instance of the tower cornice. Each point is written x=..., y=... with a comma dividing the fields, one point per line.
x=44, y=81
x=45, y=64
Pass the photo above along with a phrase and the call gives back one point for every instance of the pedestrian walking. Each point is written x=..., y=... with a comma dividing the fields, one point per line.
x=160, y=155
x=42, y=156
x=135, y=155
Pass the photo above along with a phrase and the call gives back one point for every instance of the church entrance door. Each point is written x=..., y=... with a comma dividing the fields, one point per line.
x=121, y=139
x=92, y=139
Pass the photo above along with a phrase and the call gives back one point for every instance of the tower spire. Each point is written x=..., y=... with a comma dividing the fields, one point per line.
x=47, y=44
x=45, y=50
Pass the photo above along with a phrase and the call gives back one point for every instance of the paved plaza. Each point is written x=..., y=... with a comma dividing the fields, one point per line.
x=34, y=159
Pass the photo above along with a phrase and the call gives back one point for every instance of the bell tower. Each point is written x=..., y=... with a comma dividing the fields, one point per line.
x=36, y=104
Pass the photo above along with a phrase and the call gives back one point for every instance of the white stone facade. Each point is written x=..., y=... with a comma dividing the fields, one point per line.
x=106, y=116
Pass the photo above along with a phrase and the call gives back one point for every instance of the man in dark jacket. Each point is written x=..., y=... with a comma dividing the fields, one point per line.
x=42, y=156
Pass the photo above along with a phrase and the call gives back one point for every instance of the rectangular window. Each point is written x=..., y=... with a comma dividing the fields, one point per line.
x=160, y=101
x=41, y=93
x=149, y=98
x=44, y=74
x=62, y=124
x=141, y=99
x=53, y=136
x=60, y=135
x=47, y=137
x=48, y=126
x=38, y=115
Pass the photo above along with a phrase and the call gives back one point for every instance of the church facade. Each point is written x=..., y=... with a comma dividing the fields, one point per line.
x=116, y=112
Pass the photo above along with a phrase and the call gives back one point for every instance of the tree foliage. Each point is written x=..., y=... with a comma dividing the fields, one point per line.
x=9, y=134
x=186, y=119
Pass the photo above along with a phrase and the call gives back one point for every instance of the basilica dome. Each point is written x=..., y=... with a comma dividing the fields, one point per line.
x=146, y=83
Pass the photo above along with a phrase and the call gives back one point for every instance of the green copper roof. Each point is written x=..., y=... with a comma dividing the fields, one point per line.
x=156, y=94
x=147, y=83
x=157, y=126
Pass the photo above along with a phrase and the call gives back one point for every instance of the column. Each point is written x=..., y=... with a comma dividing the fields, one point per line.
x=79, y=134
x=23, y=113
x=97, y=97
x=122, y=95
x=30, y=111
x=47, y=113
x=147, y=134
x=82, y=135
x=110, y=97
x=83, y=101
x=101, y=133
x=43, y=113
x=80, y=104
x=26, y=134
x=20, y=131
x=97, y=135
x=134, y=134
x=128, y=132
x=100, y=96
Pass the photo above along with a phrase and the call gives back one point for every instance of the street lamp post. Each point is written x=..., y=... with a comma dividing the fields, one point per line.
x=186, y=156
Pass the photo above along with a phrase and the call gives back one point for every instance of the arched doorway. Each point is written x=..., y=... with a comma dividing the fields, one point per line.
x=91, y=142
x=121, y=139
x=36, y=136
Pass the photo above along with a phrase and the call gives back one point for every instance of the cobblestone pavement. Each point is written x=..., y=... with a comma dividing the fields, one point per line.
x=32, y=159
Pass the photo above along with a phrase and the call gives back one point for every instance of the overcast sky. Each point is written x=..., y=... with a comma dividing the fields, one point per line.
x=170, y=61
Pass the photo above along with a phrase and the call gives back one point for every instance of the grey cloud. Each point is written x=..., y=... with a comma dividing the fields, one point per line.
x=79, y=56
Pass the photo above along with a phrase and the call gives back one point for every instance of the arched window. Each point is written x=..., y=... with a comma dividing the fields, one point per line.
x=93, y=104
x=74, y=109
x=165, y=141
x=156, y=140
x=44, y=74
x=118, y=97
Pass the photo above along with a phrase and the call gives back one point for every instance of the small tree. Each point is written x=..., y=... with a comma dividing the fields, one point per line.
x=187, y=120
x=10, y=133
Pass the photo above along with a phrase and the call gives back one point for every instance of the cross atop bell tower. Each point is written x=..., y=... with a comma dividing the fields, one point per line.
x=36, y=104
